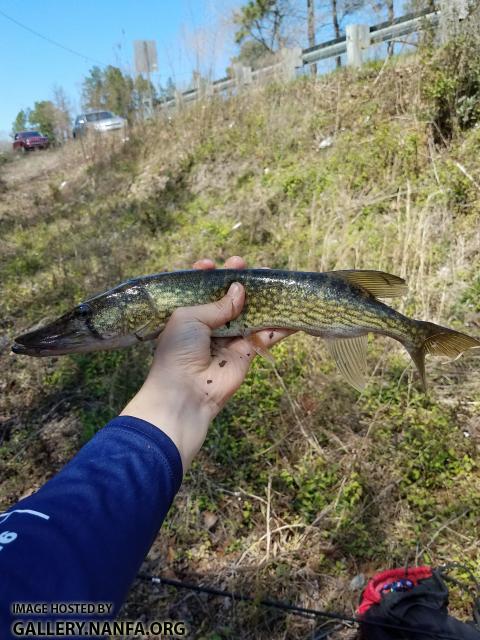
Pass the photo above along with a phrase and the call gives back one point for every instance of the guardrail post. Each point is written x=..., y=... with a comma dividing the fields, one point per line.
x=203, y=86
x=358, y=39
x=291, y=58
x=209, y=90
x=197, y=83
x=178, y=99
x=242, y=74
x=452, y=14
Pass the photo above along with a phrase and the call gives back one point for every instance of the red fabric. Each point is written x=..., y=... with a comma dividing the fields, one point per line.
x=372, y=593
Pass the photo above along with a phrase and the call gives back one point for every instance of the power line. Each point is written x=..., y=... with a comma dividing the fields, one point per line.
x=47, y=39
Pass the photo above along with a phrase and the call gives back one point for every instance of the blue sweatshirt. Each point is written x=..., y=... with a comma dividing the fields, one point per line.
x=83, y=536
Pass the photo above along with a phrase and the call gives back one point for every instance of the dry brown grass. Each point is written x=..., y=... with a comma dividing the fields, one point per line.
x=302, y=484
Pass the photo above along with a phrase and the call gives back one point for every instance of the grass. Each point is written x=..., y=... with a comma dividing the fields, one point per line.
x=307, y=483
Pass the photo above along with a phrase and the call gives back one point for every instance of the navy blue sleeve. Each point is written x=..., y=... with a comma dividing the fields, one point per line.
x=84, y=534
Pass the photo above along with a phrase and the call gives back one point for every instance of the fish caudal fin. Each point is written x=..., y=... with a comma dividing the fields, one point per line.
x=439, y=341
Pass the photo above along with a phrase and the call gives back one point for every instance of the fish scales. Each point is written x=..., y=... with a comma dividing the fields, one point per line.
x=341, y=306
x=309, y=301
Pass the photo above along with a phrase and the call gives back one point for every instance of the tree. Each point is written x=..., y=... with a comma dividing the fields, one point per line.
x=21, y=121
x=421, y=5
x=339, y=10
x=113, y=90
x=262, y=21
x=62, y=116
x=409, y=6
x=264, y=26
x=311, y=30
x=52, y=118
x=92, y=89
x=391, y=17
x=44, y=116
x=252, y=54
x=118, y=91
x=170, y=88
x=166, y=92
x=144, y=95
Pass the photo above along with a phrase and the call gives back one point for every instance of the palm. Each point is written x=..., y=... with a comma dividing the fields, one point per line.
x=216, y=367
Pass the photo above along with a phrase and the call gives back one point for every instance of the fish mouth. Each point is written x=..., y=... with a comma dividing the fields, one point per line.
x=21, y=349
x=42, y=350
x=69, y=334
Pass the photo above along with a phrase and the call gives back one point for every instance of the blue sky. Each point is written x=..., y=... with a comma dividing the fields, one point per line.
x=187, y=32
x=103, y=31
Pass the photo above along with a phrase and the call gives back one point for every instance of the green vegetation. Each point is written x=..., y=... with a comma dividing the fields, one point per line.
x=107, y=88
x=50, y=119
x=44, y=116
x=452, y=87
x=111, y=89
x=351, y=483
x=20, y=122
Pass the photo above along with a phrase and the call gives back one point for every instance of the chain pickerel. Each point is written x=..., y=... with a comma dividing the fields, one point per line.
x=340, y=306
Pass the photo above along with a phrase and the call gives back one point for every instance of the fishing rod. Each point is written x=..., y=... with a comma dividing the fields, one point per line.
x=158, y=581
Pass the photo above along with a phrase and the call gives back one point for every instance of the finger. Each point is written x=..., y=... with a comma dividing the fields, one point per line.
x=268, y=337
x=235, y=262
x=258, y=342
x=218, y=313
x=204, y=263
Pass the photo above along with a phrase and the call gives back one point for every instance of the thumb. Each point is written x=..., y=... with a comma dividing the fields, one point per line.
x=217, y=313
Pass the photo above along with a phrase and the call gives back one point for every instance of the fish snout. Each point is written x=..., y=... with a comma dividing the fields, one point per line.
x=69, y=334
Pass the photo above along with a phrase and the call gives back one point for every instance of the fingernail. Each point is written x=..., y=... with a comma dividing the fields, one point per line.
x=235, y=290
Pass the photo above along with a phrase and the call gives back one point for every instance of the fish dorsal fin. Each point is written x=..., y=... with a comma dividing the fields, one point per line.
x=350, y=354
x=378, y=283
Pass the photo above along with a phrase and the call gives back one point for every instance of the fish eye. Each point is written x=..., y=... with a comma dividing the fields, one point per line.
x=83, y=310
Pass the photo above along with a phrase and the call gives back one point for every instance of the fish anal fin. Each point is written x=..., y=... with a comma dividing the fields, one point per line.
x=350, y=355
x=378, y=283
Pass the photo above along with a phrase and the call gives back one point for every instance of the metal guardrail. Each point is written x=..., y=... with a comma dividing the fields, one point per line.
x=403, y=26
x=382, y=32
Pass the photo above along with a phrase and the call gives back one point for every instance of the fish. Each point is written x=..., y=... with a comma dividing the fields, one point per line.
x=342, y=307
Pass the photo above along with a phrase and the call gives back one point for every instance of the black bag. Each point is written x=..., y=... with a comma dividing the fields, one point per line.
x=422, y=608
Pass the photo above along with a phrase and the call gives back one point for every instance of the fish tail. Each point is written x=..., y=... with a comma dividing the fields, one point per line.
x=437, y=341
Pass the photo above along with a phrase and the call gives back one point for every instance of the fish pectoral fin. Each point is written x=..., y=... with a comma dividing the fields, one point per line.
x=149, y=331
x=378, y=283
x=350, y=354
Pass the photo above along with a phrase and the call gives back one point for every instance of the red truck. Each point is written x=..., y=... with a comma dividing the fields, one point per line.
x=30, y=140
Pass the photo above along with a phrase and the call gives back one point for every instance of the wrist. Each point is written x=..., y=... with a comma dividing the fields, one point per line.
x=177, y=412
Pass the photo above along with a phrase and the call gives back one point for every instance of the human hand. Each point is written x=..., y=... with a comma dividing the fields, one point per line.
x=193, y=375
